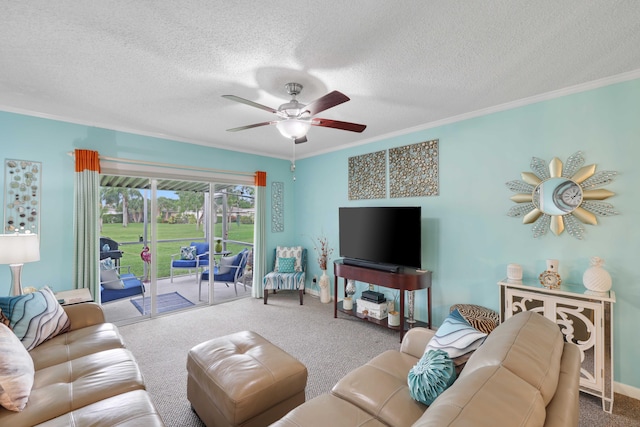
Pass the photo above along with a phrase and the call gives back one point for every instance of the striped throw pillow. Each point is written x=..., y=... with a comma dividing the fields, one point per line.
x=35, y=317
x=456, y=336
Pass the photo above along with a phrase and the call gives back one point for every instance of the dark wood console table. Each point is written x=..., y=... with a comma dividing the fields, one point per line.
x=406, y=279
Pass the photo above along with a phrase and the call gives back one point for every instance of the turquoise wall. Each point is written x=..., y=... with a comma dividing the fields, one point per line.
x=49, y=141
x=468, y=239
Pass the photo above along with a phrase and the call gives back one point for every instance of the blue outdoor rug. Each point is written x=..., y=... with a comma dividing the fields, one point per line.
x=166, y=302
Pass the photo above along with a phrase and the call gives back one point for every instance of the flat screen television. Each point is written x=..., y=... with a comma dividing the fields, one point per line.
x=384, y=238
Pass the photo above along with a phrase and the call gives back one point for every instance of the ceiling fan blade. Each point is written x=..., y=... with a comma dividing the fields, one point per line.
x=301, y=140
x=337, y=124
x=323, y=103
x=255, y=125
x=250, y=103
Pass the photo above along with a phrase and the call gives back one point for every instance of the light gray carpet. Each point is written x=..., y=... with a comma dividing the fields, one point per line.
x=329, y=347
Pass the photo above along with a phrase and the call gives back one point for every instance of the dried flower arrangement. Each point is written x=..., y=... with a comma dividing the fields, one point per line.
x=323, y=250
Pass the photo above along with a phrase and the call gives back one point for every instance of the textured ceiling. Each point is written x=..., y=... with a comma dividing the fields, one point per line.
x=160, y=67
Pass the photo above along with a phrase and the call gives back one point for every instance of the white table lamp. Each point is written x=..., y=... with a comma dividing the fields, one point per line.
x=15, y=250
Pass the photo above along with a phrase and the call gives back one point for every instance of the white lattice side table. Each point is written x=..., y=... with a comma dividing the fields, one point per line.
x=585, y=319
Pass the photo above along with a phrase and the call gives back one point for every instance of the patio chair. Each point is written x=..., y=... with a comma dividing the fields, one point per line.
x=289, y=270
x=115, y=285
x=191, y=259
x=230, y=270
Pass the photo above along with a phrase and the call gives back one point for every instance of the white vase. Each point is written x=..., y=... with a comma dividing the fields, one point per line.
x=347, y=303
x=325, y=296
x=596, y=278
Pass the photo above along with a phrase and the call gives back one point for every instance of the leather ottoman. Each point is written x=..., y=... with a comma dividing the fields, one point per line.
x=243, y=380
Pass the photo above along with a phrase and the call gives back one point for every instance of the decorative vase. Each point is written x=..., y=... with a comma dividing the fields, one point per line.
x=218, y=246
x=514, y=272
x=596, y=278
x=325, y=296
x=350, y=289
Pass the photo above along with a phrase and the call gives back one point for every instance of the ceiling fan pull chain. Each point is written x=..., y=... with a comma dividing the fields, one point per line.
x=293, y=159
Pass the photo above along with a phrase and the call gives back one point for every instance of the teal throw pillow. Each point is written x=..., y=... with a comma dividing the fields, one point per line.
x=286, y=265
x=188, y=253
x=456, y=336
x=35, y=317
x=432, y=375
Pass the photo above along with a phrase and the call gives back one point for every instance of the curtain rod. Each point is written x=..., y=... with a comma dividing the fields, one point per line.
x=168, y=165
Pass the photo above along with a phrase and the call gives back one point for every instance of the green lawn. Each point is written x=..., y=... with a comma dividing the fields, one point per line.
x=186, y=232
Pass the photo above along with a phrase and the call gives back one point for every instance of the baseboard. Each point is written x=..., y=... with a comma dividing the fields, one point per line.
x=627, y=390
x=313, y=292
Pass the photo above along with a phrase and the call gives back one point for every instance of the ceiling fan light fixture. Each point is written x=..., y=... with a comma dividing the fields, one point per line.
x=293, y=128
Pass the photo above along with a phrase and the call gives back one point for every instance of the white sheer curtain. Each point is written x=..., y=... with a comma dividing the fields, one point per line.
x=259, y=234
x=86, y=215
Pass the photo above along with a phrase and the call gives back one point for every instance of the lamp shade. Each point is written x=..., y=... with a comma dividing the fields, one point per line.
x=293, y=128
x=19, y=248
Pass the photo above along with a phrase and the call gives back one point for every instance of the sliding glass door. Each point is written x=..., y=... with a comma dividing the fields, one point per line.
x=181, y=239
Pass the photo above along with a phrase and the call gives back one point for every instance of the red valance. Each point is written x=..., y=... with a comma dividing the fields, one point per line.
x=260, y=179
x=87, y=160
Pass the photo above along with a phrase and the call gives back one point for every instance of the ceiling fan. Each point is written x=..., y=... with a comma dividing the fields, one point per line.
x=296, y=118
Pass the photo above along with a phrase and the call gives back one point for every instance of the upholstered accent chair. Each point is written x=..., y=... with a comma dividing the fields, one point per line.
x=190, y=259
x=230, y=270
x=288, y=272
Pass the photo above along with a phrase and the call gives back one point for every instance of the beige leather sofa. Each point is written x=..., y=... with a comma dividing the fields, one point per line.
x=523, y=375
x=85, y=377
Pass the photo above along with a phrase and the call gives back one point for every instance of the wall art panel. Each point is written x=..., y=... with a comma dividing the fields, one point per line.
x=368, y=176
x=413, y=170
x=23, y=185
x=277, y=207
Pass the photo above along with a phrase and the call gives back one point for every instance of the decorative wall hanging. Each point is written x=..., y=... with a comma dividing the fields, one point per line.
x=413, y=170
x=368, y=176
x=22, y=189
x=277, y=207
x=561, y=196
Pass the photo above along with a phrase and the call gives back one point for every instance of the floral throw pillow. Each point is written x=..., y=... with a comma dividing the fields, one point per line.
x=188, y=253
x=106, y=264
x=289, y=252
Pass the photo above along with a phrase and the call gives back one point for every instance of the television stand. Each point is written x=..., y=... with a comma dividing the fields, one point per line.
x=405, y=279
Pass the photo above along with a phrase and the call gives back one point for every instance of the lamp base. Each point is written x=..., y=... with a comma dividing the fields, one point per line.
x=16, y=279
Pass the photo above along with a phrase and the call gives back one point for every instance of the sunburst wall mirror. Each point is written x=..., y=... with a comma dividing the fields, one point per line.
x=561, y=197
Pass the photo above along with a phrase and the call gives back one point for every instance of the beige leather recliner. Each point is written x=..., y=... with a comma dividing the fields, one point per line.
x=523, y=375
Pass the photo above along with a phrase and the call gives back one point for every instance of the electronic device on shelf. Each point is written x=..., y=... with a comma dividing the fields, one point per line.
x=377, y=297
x=382, y=238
